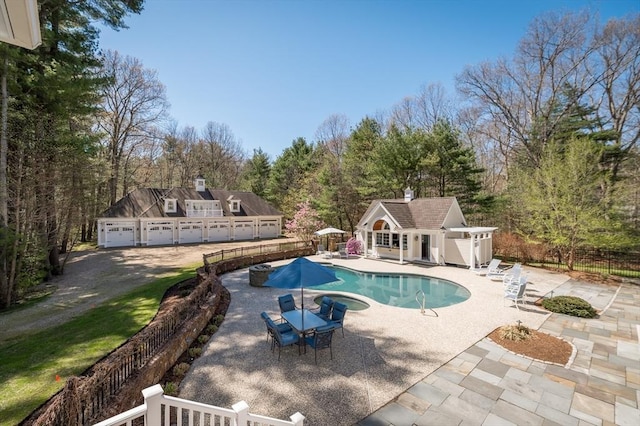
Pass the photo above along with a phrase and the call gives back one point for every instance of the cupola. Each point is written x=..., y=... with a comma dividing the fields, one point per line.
x=408, y=195
x=199, y=183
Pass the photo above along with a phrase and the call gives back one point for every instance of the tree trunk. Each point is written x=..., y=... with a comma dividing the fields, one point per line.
x=5, y=296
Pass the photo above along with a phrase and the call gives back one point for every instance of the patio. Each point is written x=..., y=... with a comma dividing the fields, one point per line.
x=385, y=349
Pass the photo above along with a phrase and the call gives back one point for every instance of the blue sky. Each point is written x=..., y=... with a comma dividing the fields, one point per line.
x=273, y=71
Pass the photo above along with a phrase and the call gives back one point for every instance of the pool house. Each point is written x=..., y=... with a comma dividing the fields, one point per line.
x=428, y=230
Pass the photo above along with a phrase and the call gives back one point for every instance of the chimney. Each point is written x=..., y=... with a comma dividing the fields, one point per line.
x=408, y=195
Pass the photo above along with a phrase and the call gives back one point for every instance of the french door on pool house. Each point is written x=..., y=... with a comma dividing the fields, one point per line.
x=425, y=248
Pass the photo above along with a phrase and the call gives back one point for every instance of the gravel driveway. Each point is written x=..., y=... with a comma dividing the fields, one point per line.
x=94, y=276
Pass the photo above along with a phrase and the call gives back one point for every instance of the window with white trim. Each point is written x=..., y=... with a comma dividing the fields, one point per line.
x=383, y=236
x=234, y=206
x=170, y=205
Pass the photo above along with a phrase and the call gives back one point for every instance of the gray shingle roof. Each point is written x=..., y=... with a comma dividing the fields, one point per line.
x=149, y=202
x=430, y=213
x=420, y=213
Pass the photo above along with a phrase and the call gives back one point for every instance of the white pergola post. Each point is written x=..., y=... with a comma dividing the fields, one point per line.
x=472, y=258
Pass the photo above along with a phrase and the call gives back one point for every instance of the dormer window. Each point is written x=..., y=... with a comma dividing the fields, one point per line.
x=170, y=205
x=234, y=206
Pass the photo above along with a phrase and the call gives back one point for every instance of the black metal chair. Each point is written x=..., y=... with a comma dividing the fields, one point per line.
x=282, y=328
x=337, y=315
x=282, y=339
x=324, y=312
x=321, y=339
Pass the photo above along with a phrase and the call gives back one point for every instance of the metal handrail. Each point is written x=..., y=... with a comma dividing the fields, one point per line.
x=424, y=299
x=423, y=304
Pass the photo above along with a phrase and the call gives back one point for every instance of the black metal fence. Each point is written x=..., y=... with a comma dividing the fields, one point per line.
x=609, y=262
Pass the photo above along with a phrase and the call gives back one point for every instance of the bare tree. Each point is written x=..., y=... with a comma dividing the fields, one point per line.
x=188, y=159
x=616, y=68
x=334, y=133
x=223, y=156
x=522, y=96
x=132, y=104
x=423, y=110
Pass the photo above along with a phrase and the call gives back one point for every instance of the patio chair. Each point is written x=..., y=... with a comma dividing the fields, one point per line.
x=515, y=292
x=287, y=303
x=492, y=268
x=282, y=328
x=320, y=249
x=500, y=273
x=324, y=312
x=342, y=250
x=337, y=315
x=282, y=339
x=512, y=276
x=321, y=339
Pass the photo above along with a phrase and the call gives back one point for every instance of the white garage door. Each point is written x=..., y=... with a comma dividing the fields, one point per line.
x=218, y=231
x=120, y=234
x=269, y=229
x=190, y=232
x=243, y=230
x=159, y=233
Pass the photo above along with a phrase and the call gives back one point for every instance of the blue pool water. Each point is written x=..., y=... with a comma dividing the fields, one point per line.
x=397, y=289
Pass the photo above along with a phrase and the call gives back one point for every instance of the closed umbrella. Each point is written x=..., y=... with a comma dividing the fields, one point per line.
x=301, y=273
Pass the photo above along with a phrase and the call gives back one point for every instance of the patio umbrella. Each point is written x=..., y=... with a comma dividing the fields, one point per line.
x=301, y=273
x=327, y=231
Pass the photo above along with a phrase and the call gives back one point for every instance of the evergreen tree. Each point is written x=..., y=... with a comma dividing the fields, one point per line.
x=450, y=169
x=256, y=173
x=53, y=92
x=289, y=173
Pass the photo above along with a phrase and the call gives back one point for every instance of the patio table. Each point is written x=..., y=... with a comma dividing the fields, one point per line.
x=303, y=320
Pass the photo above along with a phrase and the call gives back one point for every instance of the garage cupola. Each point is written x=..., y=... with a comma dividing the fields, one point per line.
x=199, y=182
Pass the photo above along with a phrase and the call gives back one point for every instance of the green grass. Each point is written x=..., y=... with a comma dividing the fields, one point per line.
x=29, y=364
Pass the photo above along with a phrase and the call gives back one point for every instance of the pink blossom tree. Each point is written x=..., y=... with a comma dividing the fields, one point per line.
x=354, y=246
x=305, y=222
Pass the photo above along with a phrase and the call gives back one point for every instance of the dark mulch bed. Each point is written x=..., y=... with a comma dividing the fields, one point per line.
x=539, y=346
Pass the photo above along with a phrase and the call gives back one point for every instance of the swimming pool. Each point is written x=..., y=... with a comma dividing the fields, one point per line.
x=397, y=289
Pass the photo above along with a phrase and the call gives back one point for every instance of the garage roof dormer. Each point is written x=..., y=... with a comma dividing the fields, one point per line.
x=234, y=204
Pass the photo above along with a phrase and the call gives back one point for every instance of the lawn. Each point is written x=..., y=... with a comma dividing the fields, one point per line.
x=31, y=363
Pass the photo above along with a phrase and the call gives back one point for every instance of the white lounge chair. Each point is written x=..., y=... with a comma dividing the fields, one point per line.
x=501, y=273
x=515, y=292
x=492, y=267
x=512, y=276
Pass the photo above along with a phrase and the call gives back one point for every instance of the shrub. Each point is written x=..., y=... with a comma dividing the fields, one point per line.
x=203, y=338
x=212, y=328
x=570, y=305
x=515, y=333
x=217, y=320
x=181, y=369
x=195, y=352
x=171, y=389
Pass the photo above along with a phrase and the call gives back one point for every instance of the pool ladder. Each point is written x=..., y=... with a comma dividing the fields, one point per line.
x=420, y=295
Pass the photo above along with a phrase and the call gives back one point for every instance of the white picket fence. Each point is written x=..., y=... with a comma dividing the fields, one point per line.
x=162, y=410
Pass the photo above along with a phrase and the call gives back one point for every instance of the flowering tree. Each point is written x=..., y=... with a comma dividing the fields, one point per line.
x=305, y=222
x=354, y=246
